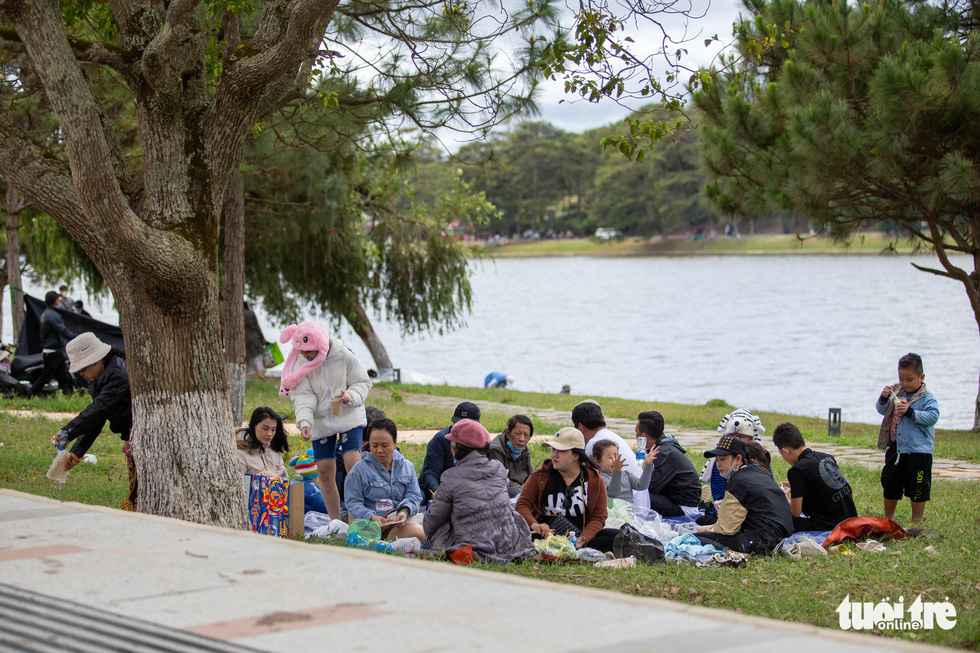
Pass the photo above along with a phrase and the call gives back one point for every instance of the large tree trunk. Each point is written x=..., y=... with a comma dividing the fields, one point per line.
x=234, y=295
x=182, y=438
x=361, y=324
x=155, y=238
x=14, y=207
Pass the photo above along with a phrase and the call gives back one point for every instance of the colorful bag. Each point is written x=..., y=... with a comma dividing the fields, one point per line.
x=268, y=505
x=271, y=355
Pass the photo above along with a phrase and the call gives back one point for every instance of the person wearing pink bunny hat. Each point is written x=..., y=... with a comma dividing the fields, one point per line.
x=328, y=386
x=472, y=506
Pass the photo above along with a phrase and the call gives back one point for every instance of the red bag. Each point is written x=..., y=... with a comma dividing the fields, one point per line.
x=462, y=555
x=855, y=527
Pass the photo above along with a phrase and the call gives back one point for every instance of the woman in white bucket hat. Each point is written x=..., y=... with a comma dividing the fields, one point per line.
x=104, y=368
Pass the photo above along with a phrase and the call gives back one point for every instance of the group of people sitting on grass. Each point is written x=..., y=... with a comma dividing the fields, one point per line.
x=469, y=478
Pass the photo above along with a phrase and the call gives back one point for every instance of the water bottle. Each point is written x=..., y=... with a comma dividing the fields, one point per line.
x=641, y=448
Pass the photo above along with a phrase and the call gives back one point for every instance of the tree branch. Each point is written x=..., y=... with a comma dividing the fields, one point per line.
x=97, y=214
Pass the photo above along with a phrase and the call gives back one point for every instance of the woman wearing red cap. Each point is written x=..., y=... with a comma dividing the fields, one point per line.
x=472, y=505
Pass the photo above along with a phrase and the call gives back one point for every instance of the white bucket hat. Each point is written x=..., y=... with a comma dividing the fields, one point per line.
x=85, y=350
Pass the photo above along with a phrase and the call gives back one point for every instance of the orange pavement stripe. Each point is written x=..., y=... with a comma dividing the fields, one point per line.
x=39, y=552
x=275, y=622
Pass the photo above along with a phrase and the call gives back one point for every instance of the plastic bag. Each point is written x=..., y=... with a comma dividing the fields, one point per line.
x=642, y=519
x=366, y=529
x=366, y=534
x=631, y=542
x=558, y=546
x=805, y=546
x=590, y=555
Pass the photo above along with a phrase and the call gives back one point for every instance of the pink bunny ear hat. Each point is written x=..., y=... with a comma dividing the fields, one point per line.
x=305, y=336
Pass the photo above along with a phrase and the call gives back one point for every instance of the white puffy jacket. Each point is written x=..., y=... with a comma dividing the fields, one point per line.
x=311, y=397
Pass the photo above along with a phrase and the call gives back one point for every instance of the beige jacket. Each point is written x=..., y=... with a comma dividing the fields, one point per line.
x=259, y=460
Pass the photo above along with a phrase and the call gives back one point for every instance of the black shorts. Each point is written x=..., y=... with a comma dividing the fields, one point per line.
x=912, y=476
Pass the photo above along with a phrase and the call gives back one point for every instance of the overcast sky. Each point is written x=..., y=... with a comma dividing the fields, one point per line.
x=578, y=116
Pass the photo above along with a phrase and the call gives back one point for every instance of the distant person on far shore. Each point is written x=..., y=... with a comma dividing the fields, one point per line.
x=566, y=389
x=497, y=380
x=908, y=433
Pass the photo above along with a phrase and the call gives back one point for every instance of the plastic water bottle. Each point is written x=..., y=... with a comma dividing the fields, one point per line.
x=641, y=448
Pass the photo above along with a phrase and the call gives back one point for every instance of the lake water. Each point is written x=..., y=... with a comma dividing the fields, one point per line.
x=793, y=333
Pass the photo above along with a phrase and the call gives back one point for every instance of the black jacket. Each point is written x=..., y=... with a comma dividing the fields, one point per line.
x=674, y=475
x=111, y=401
x=54, y=334
x=438, y=458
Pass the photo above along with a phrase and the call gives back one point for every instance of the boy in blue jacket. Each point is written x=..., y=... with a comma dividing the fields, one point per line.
x=908, y=433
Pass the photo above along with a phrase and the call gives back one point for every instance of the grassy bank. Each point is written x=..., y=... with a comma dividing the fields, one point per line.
x=807, y=591
x=950, y=443
x=776, y=244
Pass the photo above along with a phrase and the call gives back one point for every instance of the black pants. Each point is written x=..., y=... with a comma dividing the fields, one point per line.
x=665, y=506
x=55, y=367
x=744, y=542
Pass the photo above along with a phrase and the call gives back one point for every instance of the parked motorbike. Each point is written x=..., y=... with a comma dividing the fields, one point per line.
x=18, y=373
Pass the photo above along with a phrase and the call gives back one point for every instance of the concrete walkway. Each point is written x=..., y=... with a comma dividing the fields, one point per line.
x=277, y=595
x=696, y=439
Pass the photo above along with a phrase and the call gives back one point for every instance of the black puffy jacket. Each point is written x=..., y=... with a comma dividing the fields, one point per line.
x=111, y=401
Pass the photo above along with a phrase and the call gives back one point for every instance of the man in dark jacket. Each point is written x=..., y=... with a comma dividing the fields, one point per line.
x=439, y=455
x=510, y=448
x=674, y=482
x=105, y=370
x=753, y=516
x=54, y=335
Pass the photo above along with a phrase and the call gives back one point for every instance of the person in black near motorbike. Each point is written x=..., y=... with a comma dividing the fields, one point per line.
x=54, y=335
x=104, y=368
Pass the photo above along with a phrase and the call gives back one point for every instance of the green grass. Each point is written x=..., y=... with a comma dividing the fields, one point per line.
x=807, y=591
x=773, y=244
x=958, y=444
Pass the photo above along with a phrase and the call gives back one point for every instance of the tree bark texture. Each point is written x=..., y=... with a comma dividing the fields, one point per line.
x=14, y=206
x=234, y=295
x=362, y=326
x=155, y=240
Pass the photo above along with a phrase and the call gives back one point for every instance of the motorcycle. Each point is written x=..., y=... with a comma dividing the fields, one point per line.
x=18, y=373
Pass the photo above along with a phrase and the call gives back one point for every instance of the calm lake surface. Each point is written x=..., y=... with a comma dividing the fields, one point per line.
x=799, y=334
x=793, y=333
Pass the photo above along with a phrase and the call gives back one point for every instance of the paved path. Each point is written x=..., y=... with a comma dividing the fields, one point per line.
x=271, y=594
x=696, y=439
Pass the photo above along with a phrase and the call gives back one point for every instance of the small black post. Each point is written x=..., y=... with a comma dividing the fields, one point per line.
x=833, y=422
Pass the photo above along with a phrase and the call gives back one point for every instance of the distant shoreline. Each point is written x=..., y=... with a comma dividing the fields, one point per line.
x=767, y=245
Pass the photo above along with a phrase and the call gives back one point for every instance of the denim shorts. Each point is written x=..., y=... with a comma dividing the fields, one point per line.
x=349, y=441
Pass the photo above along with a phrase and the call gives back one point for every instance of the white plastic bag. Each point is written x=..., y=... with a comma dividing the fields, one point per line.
x=645, y=520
